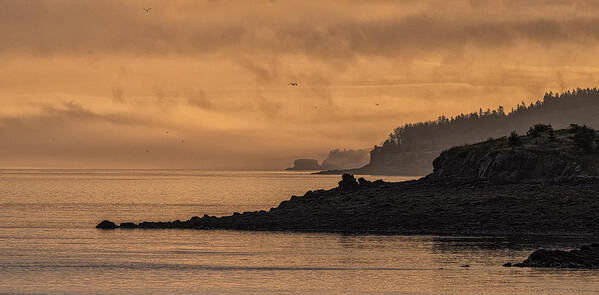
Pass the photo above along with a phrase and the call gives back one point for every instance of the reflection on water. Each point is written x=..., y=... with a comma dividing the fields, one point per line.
x=48, y=243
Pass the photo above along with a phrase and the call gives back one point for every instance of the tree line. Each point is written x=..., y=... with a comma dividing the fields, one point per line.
x=578, y=106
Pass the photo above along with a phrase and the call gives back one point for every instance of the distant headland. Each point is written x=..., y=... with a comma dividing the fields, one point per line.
x=410, y=149
x=336, y=159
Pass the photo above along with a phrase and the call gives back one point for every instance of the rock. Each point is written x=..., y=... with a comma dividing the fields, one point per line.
x=128, y=225
x=106, y=224
x=509, y=264
x=422, y=207
x=363, y=182
x=586, y=257
x=499, y=163
x=348, y=183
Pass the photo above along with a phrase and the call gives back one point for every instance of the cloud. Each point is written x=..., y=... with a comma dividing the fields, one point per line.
x=69, y=114
x=199, y=99
x=197, y=27
x=105, y=80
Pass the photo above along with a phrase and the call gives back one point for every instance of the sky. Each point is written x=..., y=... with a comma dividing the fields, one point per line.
x=205, y=83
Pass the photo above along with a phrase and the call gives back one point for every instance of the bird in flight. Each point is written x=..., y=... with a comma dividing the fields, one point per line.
x=147, y=10
x=293, y=84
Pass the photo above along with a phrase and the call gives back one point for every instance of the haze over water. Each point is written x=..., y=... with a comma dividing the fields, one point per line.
x=48, y=243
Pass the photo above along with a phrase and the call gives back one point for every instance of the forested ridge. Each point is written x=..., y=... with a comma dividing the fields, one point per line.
x=580, y=106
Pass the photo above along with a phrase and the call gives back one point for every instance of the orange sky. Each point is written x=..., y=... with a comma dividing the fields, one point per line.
x=205, y=84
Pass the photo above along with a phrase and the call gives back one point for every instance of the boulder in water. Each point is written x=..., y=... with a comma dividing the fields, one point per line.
x=586, y=257
x=106, y=224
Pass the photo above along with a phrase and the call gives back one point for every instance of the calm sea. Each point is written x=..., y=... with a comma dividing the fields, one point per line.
x=48, y=243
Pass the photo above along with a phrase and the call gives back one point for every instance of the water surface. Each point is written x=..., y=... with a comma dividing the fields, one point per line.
x=48, y=243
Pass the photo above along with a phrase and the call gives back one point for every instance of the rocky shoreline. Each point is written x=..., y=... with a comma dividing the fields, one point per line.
x=419, y=207
x=533, y=184
x=543, y=183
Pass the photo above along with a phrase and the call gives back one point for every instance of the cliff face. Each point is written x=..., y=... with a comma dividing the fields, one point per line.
x=401, y=163
x=305, y=164
x=533, y=158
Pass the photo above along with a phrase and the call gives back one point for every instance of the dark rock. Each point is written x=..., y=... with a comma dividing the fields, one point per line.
x=509, y=264
x=422, y=207
x=348, y=183
x=499, y=163
x=586, y=257
x=128, y=225
x=106, y=224
x=363, y=182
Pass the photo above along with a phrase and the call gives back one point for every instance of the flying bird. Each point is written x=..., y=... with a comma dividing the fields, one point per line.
x=147, y=10
x=293, y=84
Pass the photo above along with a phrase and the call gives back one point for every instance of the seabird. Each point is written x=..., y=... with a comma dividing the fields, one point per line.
x=148, y=10
x=293, y=84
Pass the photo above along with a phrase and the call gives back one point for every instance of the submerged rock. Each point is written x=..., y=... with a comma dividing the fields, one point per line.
x=586, y=257
x=106, y=224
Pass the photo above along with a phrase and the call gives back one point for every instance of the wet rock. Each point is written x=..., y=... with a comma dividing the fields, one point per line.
x=106, y=224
